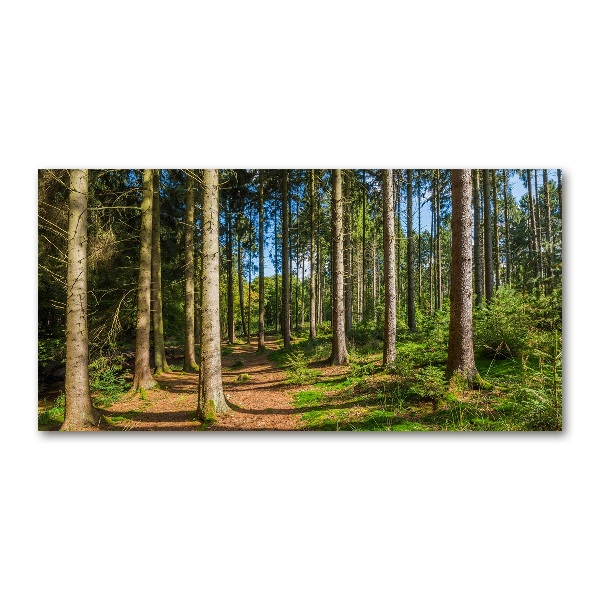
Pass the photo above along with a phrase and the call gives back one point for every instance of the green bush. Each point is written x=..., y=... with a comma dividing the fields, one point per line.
x=429, y=383
x=51, y=350
x=52, y=418
x=298, y=370
x=503, y=328
x=107, y=382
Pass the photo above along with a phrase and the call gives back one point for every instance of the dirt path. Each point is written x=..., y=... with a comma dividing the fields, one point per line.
x=255, y=390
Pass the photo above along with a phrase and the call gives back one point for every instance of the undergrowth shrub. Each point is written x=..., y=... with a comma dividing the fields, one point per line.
x=107, y=381
x=503, y=328
x=429, y=383
x=52, y=417
x=51, y=350
x=298, y=371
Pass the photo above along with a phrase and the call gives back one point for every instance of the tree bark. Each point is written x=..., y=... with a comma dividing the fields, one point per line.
x=261, y=264
x=477, y=240
x=389, y=272
x=285, y=264
x=549, y=244
x=559, y=186
x=313, y=295
x=189, y=352
x=487, y=238
x=461, y=358
x=211, y=398
x=229, y=254
x=496, y=234
x=410, y=266
x=347, y=253
x=339, y=354
x=506, y=229
x=142, y=378
x=438, y=243
x=160, y=359
x=533, y=235
x=79, y=412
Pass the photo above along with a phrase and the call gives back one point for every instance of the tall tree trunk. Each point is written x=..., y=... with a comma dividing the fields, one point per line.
x=477, y=240
x=240, y=274
x=142, y=378
x=211, y=399
x=261, y=264
x=285, y=279
x=229, y=254
x=549, y=244
x=189, y=351
x=540, y=244
x=533, y=236
x=420, y=251
x=506, y=228
x=496, y=234
x=487, y=237
x=431, y=254
x=461, y=358
x=313, y=295
x=364, y=249
x=319, y=265
x=275, y=236
x=347, y=253
x=339, y=354
x=410, y=266
x=389, y=274
x=249, y=296
x=438, y=243
x=302, y=295
x=160, y=359
x=559, y=186
x=79, y=412
x=297, y=287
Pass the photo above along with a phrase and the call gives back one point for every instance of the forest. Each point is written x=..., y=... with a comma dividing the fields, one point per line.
x=300, y=299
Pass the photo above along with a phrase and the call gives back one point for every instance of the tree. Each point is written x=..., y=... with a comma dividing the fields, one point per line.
x=410, y=266
x=487, y=237
x=211, y=398
x=285, y=262
x=189, y=351
x=461, y=358
x=160, y=359
x=339, y=353
x=261, y=264
x=142, y=378
x=313, y=295
x=389, y=273
x=477, y=242
x=79, y=412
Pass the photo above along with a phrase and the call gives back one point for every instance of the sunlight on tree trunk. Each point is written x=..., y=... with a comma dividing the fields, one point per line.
x=79, y=412
x=211, y=398
x=142, y=378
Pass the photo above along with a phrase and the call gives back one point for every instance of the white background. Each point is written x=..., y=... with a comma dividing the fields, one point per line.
x=312, y=84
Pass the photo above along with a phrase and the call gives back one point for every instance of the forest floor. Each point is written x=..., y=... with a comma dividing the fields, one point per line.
x=296, y=389
x=254, y=386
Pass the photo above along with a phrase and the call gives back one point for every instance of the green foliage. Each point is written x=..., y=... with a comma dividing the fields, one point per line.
x=107, y=382
x=238, y=364
x=226, y=351
x=298, y=371
x=430, y=383
x=243, y=377
x=51, y=350
x=502, y=328
x=52, y=417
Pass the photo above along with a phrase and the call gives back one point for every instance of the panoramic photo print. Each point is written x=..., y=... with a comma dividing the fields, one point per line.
x=300, y=299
